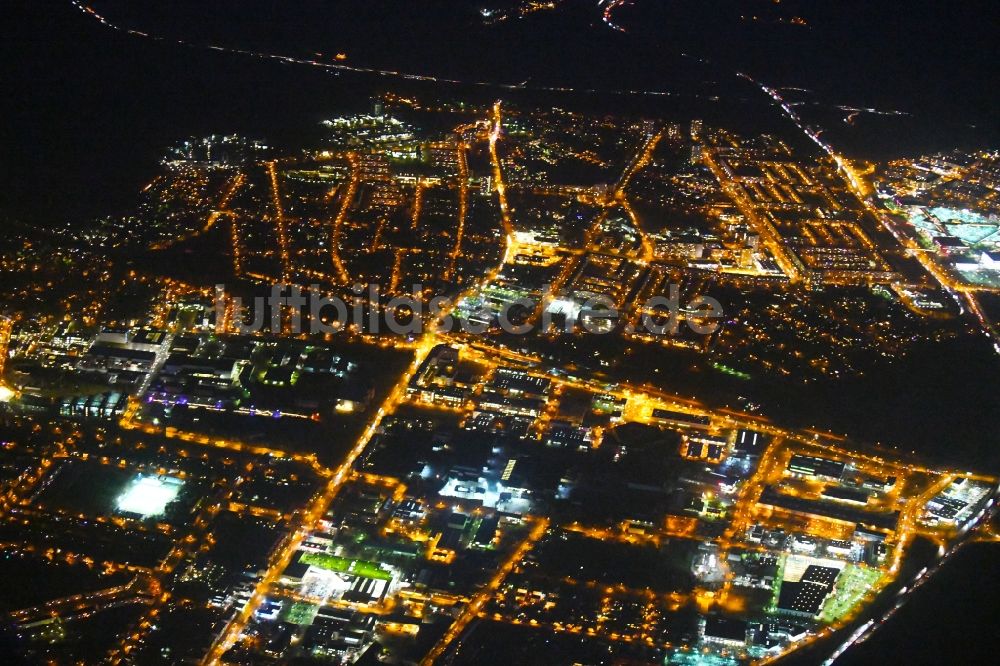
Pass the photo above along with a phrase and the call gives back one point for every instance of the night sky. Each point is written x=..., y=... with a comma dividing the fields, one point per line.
x=88, y=109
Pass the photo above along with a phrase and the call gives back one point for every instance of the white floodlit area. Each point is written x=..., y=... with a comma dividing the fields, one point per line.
x=148, y=495
x=493, y=496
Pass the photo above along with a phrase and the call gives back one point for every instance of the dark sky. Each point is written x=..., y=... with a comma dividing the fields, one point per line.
x=87, y=110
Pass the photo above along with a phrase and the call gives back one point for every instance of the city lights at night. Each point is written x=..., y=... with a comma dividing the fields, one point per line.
x=508, y=332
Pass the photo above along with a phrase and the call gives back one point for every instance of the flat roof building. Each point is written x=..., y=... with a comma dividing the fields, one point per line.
x=815, y=466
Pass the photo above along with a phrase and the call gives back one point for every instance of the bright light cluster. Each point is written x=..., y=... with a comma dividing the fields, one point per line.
x=149, y=495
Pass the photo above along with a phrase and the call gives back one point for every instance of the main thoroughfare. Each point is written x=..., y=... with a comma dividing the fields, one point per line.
x=308, y=519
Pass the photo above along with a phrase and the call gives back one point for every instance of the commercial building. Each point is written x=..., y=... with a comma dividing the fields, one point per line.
x=846, y=514
x=805, y=597
x=815, y=466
